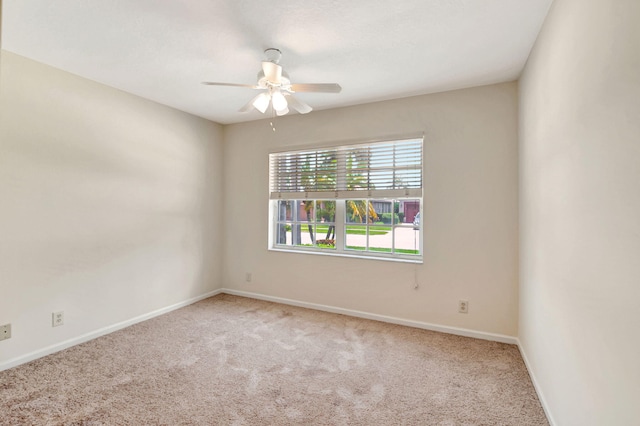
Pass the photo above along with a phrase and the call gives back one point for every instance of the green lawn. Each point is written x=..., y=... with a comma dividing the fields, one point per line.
x=360, y=248
x=357, y=230
x=384, y=250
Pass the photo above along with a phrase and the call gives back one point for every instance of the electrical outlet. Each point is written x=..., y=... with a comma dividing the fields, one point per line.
x=57, y=318
x=247, y=277
x=5, y=331
x=463, y=306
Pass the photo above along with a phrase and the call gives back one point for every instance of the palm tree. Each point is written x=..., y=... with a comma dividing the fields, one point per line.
x=307, y=205
x=362, y=210
x=319, y=173
x=327, y=210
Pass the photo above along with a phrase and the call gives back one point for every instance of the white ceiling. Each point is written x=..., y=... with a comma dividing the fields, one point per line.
x=375, y=49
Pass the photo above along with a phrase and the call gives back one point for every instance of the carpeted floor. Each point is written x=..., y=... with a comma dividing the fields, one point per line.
x=230, y=360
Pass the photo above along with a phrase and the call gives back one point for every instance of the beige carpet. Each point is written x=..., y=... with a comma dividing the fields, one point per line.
x=235, y=361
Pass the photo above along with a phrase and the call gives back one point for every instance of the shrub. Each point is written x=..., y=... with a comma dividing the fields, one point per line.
x=386, y=218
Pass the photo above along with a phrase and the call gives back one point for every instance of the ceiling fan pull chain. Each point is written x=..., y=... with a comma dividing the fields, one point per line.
x=273, y=117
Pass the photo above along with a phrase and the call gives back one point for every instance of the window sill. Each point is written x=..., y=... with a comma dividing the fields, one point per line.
x=349, y=255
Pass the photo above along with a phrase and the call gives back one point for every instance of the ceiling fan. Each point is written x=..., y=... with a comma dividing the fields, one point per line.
x=277, y=89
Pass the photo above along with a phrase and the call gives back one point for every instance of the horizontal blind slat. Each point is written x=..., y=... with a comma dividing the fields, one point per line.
x=388, y=166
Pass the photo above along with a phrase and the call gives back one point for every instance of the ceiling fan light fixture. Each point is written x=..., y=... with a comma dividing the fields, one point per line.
x=279, y=101
x=261, y=103
x=282, y=111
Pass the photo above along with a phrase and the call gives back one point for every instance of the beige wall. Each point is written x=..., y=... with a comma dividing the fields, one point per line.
x=580, y=212
x=109, y=205
x=470, y=211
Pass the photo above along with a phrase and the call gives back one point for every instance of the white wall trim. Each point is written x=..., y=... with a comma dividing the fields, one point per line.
x=376, y=317
x=536, y=385
x=14, y=362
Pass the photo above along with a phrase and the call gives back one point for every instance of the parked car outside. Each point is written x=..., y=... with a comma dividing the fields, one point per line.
x=416, y=221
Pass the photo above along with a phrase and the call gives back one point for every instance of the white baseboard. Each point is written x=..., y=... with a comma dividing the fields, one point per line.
x=393, y=320
x=536, y=385
x=14, y=362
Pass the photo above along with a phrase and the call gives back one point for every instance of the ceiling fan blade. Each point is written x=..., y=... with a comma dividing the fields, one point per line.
x=273, y=72
x=299, y=106
x=317, y=88
x=211, y=83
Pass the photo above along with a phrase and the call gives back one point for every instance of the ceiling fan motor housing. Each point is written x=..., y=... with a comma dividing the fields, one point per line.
x=285, y=81
x=273, y=55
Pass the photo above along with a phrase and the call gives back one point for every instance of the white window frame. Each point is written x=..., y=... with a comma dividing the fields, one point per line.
x=340, y=193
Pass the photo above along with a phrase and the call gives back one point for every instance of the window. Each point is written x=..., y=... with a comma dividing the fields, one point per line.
x=358, y=200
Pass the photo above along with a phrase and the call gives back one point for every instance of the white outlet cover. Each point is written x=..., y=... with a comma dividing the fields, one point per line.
x=5, y=331
x=57, y=319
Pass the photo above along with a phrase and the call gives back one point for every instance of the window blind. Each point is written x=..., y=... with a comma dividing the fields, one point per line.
x=371, y=170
